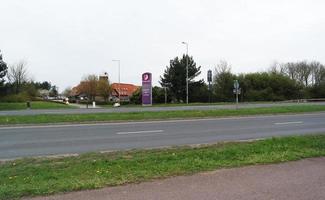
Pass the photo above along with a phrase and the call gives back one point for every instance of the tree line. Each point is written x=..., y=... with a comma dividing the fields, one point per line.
x=16, y=85
x=282, y=81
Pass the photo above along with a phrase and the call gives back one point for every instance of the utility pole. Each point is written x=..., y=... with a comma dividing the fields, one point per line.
x=186, y=71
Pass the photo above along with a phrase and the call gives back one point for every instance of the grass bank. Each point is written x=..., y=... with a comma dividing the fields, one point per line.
x=43, y=176
x=34, y=105
x=108, y=117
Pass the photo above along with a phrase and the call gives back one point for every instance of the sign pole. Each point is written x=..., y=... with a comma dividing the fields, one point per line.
x=237, y=99
x=236, y=91
x=209, y=81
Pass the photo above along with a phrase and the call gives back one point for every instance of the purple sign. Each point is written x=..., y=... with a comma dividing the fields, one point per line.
x=147, y=89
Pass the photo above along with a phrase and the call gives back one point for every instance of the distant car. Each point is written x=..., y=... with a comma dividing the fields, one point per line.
x=66, y=101
x=116, y=105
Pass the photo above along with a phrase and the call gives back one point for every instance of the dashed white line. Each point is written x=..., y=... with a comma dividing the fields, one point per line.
x=288, y=123
x=135, y=132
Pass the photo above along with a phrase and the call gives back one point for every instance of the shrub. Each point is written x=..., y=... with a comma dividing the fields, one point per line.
x=21, y=97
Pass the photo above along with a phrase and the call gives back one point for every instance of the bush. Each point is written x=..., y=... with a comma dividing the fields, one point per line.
x=21, y=97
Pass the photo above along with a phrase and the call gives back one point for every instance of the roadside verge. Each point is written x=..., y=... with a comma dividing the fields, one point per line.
x=45, y=176
x=161, y=115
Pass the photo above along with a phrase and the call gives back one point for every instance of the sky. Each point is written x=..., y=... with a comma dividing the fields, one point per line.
x=63, y=40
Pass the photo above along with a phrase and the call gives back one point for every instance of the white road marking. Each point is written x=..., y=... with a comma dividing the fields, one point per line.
x=135, y=132
x=288, y=123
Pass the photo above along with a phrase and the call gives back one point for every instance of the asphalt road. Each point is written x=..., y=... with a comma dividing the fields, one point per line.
x=300, y=180
x=66, y=139
x=149, y=109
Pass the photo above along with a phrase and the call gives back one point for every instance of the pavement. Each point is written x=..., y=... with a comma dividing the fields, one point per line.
x=299, y=180
x=148, y=109
x=44, y=140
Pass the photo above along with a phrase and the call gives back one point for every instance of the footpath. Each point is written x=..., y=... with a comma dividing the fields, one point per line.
x=299, y=180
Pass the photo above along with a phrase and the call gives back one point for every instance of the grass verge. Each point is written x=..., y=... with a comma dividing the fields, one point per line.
x=34, y=105
x=134, y=116
x=178, y=104
x=44, y=176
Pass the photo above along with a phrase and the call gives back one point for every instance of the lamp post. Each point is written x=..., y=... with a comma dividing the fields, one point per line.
x=119, y=79
x=165, y=87
x=186, y=71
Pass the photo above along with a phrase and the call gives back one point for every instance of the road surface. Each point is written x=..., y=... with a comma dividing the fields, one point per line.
x=79, y=138
x=148, y=109
x=299, y=180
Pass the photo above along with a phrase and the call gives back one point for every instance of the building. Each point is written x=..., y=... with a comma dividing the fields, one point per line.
x=103, y=77
x=123, y=90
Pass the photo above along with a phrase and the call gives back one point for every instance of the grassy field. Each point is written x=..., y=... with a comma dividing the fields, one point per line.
x=43, y=176
x=134, y=116
x=34, y=105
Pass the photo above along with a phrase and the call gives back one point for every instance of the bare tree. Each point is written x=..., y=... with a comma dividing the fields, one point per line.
x=104, y=88
x=18, y=75
x=317, y=72
x=67, y=92
x=303, y=72
x=290, y=69
x=88, y=86
x=223, y=81
x=223, y=67
x=279, y=68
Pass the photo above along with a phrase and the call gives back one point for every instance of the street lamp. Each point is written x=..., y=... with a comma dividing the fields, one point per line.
x=186, y=71
x=119, y=79
x=165, y=87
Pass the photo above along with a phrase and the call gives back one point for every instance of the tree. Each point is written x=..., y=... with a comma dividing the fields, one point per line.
x=304, y=72
x=18, y=76
x=223, y=82
x=290, y=70
x=174, y=77
x=136, y=98
x=88, y=86
x=158, y=95
x=3, y=73
x=104, y=89
x=3, y=69
x=67, y=92
x=54, y=91
x=45, y=85
x=317, y=72
x=199, y=92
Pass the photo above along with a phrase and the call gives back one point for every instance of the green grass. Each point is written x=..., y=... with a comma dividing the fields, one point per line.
x=134, y=116
x=190, y=104
x=43, y=176
x=176, y=104
x=34, y=105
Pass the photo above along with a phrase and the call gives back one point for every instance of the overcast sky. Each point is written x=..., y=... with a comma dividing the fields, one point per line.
x=63, y=40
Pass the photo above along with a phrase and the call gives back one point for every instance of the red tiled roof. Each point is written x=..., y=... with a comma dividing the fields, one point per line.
x=126, y=89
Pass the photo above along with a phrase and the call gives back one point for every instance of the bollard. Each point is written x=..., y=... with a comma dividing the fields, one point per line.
x=94, y=104
x=28, y=104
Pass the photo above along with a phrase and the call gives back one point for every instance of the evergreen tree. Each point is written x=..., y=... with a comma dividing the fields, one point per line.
x=3, y=73
x=174, y=77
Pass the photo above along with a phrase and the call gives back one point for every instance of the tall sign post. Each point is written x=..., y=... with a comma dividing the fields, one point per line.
x=209, y=81
x=147, y=89
x=236, y=91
